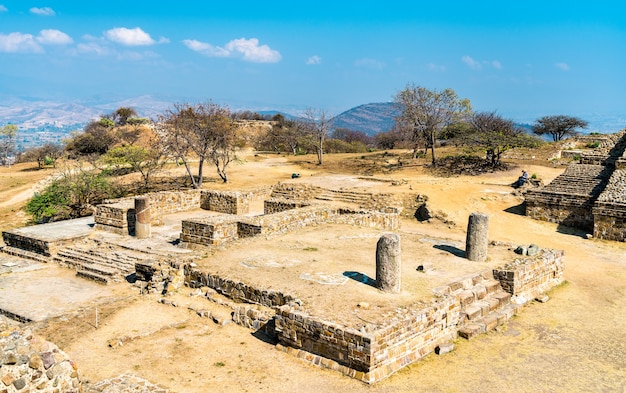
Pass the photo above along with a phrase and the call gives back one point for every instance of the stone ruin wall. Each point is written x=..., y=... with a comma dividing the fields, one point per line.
x=566, y=209
x=217, y=230
x=277, y=205
x=31, y=364
x=229, y=202
x=31, y=244
x=603, y=209
x=374, y=352
x=609, y=212
x=527, y=278
x=118, y=215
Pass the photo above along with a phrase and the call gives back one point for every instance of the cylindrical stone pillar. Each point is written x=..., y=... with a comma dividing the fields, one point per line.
x=142, y=221
x=388, y=263
x=477, y=238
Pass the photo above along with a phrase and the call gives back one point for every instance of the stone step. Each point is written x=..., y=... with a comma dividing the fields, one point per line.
x=100, y=269
x=480, y=308
x=20, y=253
x=93, y=277
x=488, y=322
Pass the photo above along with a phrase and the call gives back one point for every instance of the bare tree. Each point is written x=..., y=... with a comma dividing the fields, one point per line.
x=425, y=113
x=201, y=130
x=317, y=124
x=558, y=126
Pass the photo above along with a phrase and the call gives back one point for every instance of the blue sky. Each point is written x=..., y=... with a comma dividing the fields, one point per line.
x=523, y=59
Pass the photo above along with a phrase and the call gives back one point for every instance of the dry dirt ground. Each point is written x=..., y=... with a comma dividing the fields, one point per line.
x=575, y=342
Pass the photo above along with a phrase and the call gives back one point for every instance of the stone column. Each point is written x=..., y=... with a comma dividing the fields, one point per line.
x=388, y=263
x=477, y=237
x=142, y=222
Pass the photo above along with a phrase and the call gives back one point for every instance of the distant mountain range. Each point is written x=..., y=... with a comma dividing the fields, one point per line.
x=48, y=121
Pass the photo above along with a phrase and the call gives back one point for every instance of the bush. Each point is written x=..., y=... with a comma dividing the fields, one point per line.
x=71, y=196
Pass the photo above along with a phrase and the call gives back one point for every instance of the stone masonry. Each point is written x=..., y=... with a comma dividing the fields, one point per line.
x=589, y=195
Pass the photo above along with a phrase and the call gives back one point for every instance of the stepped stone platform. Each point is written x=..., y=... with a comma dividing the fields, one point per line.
x=589, y=195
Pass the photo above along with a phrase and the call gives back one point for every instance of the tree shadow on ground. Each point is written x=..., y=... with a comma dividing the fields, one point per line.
x=360, y=277
x=451, y=249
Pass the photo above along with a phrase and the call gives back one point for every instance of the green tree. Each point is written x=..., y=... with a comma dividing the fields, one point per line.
x=559, y=126
x=8, y=140
x=425, y=113
x=148, y=161
x=495, y=135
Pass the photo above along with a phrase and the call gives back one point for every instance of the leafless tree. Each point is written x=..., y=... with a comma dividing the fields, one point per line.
x=317, y=124
x=425, y=113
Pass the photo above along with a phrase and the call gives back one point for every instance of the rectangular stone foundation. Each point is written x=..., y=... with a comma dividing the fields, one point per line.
x=374, y=352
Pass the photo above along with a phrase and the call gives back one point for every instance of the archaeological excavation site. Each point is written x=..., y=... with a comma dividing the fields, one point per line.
x=327, y=271
x=327, y=275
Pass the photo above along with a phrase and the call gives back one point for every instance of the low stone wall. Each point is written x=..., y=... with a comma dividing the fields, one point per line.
x=31, y=243
x=377, y=349
x=525, y=278
x=219, y=229
x=235, y=290
x=566, y=209
x=229, y=202
x=31, y=364
x=119, y=217
x=209, y=231
x=609, y=221
x=300, y=192
x=277, y=205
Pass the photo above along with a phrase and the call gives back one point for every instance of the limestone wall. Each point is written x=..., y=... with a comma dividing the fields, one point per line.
x=296, y=191
x=277, y=205
x=209, y=231
x=229, y=202
x=566, y=209
x=235, y=290
x=525, y=278
x=219, y=229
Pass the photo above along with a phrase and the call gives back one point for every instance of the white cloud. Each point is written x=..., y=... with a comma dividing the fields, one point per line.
x=562, y=66
x=436, y=67
x=370, y=63
x=18, y=42
x=206, y=49
x=3, y=8
x=471, y=63
x=130, y=37
x=94, y=48
x=314, y=60
x=478, y=64
x=45, y=11
x=249, y=50
x=53, y=37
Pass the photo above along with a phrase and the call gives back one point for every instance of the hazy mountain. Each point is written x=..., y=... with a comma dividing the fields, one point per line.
x=42, y=121
x=371, y=118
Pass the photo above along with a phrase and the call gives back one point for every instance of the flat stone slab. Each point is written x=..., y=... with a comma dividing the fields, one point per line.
x=37, y=291
x=60, y=230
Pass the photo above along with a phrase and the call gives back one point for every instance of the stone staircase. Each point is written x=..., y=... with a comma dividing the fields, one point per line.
x=25, y=254
x=100, y=262
x=484, y=305
x=580, y=179
x=359, y=198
